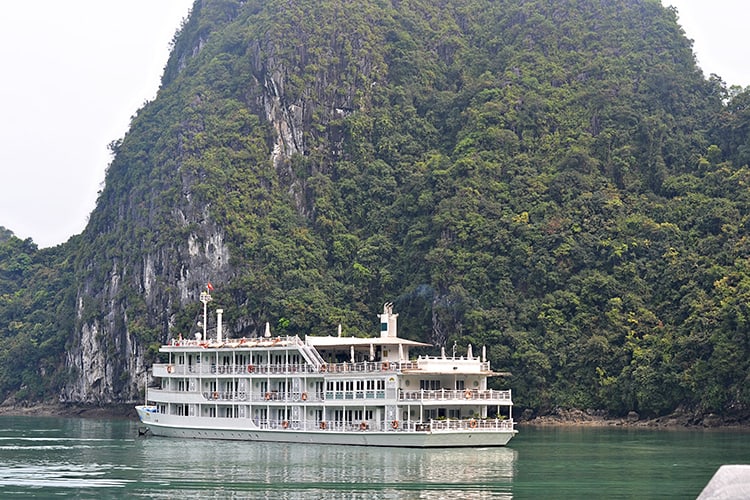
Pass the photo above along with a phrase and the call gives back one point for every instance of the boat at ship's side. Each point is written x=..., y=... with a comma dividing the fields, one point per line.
x=326, y=390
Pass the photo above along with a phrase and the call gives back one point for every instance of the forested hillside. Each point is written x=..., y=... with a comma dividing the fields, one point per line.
x=556, y=180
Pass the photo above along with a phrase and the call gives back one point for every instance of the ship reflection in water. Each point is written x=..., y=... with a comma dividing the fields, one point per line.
x=309, y=471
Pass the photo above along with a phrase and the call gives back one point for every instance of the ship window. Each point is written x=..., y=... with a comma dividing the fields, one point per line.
x=383, y=327
x=460, y=385
x=352, y=416
x=429, y=385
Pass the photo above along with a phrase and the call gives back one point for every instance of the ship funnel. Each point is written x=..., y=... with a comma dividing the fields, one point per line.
x=268, y=330
x=388, y=321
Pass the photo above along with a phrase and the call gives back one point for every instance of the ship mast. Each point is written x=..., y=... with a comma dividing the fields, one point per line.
x=206, y=298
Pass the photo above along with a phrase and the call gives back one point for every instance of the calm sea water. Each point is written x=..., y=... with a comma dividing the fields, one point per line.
x=85, y=458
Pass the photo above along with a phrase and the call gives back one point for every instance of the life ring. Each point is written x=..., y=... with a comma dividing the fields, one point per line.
x=363, y=426
x=215, y=395
x=268, y=396
x=323, y=425
x=467, y=394
x=250, y=368
x=304, y=396
x=394, y=424
x=170, y=369
x=473, y=424
x=284, y=424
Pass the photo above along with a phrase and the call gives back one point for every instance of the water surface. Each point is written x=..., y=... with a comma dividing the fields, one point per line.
x=89, y=458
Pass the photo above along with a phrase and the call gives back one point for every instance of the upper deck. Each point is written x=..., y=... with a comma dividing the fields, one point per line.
x=318, y=354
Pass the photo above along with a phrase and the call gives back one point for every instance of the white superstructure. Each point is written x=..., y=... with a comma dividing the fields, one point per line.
x=331, y=390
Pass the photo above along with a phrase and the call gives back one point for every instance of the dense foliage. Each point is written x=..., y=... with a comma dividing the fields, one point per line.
x=553, y=179
x=35, y=317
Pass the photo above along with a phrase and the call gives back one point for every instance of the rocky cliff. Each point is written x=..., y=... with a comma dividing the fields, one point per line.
x=555, y=180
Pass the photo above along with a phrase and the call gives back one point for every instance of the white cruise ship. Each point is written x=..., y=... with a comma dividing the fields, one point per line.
x=325, y=390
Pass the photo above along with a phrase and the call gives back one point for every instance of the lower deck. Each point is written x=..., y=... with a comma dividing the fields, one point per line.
x=432, y=433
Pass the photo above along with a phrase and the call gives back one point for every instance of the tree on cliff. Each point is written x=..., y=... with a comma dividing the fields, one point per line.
x=556, y=180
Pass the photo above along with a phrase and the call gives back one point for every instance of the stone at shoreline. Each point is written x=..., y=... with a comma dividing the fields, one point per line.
x=575, y=417
x=68, y=410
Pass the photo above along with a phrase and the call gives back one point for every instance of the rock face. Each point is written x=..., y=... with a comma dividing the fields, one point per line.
x=108, y=352
x=159, y=259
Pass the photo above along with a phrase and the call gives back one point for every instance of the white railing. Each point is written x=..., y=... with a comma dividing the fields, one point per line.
x=449, y=394
x=450, y=425
x=166, y=369
x=355, y=395
x=236, y=343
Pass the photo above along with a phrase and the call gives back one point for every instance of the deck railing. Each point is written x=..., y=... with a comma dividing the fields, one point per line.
x=208, y=368
x=448, y=394
x=451, y=425
x=486, y=396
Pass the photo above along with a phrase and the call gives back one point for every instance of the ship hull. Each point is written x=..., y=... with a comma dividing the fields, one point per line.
x=160, y=425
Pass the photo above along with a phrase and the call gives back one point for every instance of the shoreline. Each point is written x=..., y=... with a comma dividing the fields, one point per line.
x=118, y=410
x=558, y=418
x=676, y=420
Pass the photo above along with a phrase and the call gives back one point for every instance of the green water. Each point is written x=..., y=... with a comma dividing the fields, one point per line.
x=83, y=458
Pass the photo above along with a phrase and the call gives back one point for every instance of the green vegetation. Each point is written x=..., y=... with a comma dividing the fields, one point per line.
x=555, y=180
x=36, y=313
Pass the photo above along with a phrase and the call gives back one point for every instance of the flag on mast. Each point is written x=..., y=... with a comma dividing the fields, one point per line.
x=209, y=287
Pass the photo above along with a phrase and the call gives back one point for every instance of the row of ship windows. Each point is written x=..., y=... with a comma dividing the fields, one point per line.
x=350, y=415
x=331, y=385
x=282, y=414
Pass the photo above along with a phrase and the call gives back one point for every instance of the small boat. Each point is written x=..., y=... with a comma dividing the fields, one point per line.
x=325, y=390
